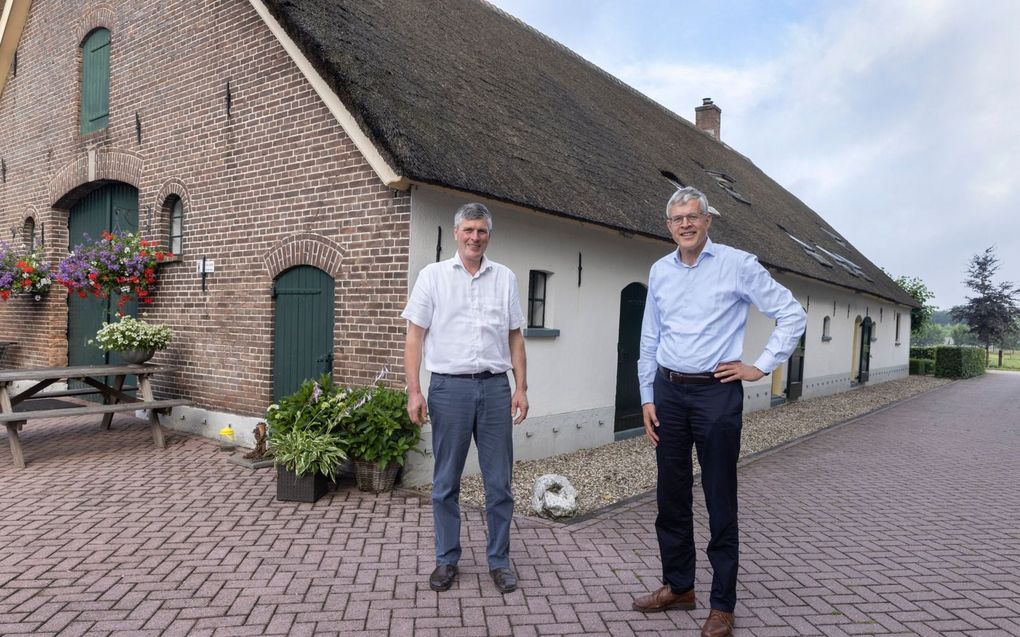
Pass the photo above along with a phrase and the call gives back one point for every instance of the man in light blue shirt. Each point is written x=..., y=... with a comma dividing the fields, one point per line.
x=690, y=370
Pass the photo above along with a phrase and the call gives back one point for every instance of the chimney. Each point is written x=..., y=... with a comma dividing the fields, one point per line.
x=707, y=117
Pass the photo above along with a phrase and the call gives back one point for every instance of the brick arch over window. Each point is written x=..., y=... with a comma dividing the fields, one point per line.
x=89, y=171
x=173, y=187
x=98, y=16
x=30, y=213
x=305, y=249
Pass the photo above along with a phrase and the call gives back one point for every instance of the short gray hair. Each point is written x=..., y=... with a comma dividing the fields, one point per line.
x=471, y=211
x=682, y=196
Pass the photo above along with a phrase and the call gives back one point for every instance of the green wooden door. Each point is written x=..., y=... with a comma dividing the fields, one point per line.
x=628, y=350
x=795, y=372
x=302, y=328
x=114, y=208
x=865, y=366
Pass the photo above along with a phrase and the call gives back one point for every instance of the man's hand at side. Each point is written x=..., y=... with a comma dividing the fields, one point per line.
x=519, y=406
x=417, y=408
x=651, y=422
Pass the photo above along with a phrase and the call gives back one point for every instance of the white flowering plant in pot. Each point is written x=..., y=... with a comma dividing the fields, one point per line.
x=133, y=339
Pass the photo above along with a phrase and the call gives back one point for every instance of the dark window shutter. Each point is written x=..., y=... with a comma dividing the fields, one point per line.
x=95, y=81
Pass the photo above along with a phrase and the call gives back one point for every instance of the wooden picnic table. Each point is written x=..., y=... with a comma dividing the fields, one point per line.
x=115, y=397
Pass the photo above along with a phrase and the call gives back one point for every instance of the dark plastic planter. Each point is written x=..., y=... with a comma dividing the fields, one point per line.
x=295, y=488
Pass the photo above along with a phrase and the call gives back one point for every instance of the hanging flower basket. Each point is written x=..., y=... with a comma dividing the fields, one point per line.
x=121, y=265
x=22, y=274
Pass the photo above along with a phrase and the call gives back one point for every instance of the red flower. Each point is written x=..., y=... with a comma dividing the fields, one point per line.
x=146, y=300
x=5, y=294
x=159, y=256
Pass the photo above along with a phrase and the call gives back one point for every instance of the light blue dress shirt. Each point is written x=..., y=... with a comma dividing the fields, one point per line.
x=695, y=315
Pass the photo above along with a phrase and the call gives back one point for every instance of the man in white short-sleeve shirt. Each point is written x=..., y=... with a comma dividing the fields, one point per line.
x=465, y=314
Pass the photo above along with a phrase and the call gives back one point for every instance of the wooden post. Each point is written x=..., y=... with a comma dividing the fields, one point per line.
x=12, y=428
x=118, y=384
x=145, y=388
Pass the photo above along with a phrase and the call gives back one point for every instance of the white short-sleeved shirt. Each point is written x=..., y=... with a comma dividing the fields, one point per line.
x=468, y=318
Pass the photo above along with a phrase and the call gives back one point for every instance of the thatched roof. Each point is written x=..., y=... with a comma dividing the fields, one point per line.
x=459, y=94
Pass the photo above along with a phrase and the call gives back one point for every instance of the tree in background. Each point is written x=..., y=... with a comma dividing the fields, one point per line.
x=931, y=334
x=962, y=334
x=919, y=316
x=994, y=310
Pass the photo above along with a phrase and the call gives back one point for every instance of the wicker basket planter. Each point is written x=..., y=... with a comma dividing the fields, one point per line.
x=373, y=479
x=294, y=488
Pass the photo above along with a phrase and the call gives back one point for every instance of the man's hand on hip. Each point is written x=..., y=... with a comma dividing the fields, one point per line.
x=651, y=422
x=519, y=406
x=417, y=408
x=729, y=372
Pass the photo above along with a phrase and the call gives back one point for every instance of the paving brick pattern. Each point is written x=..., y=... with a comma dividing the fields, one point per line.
x=904, y=522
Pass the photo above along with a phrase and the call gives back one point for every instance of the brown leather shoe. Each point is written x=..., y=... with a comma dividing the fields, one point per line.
x=664, y=599
x=718, y=624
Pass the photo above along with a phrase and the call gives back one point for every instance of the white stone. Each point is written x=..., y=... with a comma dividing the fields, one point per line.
x=554, y=497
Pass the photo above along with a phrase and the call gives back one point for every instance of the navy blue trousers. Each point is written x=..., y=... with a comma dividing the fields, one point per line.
x=707, y=417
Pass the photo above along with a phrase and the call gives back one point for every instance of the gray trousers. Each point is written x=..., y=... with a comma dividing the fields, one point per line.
x=462, y=408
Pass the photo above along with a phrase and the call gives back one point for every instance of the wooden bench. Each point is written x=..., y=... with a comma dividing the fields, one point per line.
x=115, y=398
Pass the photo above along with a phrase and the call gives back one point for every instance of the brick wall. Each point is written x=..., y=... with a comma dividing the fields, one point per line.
x=275, y=183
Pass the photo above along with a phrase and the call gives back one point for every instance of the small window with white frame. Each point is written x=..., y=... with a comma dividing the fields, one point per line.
x=898, y=315
x=28, y=234
x=826, y=329
x=176, y=208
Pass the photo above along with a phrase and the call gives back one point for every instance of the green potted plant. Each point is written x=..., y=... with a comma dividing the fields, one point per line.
x=379, y=436
x=307, y=437
x=134, y=340
x=306, y=461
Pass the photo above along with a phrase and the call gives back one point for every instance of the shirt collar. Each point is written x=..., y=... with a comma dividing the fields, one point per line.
x=456, y=262
x=708, y=249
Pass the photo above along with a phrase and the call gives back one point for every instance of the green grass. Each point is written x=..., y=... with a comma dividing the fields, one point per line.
x=1010, y=360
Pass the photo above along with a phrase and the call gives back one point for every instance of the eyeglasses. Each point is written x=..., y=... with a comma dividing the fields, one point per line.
x=679, y=219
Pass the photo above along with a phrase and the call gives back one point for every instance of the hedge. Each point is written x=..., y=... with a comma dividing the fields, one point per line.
x=923, y=352
x=959, y=362
x=922, y=366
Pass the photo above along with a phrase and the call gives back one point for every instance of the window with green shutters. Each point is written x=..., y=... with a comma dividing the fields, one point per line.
x=95, y=81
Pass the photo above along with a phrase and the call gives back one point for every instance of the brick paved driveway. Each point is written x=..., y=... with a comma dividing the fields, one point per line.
x=906, y=521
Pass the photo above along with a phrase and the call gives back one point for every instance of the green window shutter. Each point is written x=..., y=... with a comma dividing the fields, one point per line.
x=95, y=81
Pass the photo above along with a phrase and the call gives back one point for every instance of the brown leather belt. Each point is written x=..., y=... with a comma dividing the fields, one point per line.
x=704, y=378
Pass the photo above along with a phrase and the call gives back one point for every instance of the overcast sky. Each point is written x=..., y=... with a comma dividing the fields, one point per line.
x=897, y=121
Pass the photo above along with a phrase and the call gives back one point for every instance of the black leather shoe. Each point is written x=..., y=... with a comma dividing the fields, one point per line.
x=442, y=577
x=504, y=579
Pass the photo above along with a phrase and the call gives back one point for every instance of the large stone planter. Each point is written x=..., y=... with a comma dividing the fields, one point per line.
x=136, y=356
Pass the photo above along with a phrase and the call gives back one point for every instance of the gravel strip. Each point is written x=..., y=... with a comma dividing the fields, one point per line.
x=623, y=469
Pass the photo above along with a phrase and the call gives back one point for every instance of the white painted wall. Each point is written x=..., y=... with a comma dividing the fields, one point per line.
x=572, y=378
